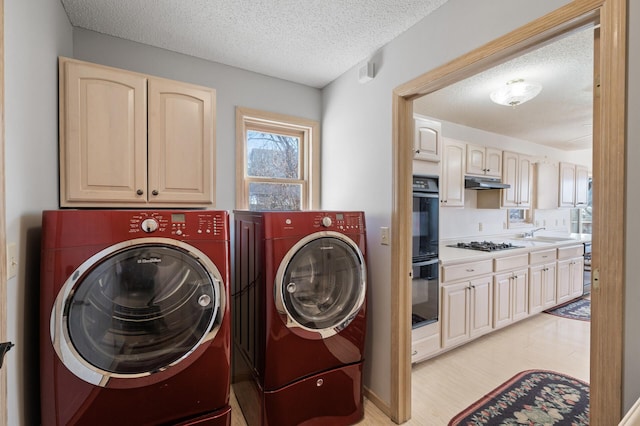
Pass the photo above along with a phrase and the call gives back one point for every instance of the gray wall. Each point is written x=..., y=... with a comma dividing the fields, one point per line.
x=36, y=32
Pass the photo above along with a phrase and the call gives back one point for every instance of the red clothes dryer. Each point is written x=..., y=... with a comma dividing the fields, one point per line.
x=135, y=326
x=299, y=304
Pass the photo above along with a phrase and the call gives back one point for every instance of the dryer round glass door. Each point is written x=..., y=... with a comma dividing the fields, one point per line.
x=135, y=310
x=321, y=283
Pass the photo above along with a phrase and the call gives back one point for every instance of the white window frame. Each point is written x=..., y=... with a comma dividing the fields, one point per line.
x=309, y=133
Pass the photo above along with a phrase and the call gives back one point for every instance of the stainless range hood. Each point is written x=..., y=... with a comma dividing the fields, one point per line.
x=476, y=182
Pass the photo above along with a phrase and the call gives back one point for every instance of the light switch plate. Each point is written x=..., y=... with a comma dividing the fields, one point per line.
x=12, y=260
x=384, y=236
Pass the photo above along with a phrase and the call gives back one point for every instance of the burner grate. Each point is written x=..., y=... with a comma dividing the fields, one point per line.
x=485, y=246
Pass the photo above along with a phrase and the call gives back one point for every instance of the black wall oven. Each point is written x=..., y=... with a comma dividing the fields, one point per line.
x=425, y=287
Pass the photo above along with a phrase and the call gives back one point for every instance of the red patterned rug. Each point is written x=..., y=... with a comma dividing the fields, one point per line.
x=578, y=309
x=532, y=397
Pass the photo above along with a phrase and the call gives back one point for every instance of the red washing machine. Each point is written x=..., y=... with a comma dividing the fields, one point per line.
x=135, y=325
x=299, y=304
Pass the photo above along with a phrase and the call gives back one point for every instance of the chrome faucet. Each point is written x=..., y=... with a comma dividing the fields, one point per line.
x=530, y=233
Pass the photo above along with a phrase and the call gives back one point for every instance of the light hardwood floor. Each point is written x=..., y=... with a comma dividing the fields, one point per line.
x=445, y=385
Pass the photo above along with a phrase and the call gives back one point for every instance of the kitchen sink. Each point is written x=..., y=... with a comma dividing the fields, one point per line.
x=547, y=239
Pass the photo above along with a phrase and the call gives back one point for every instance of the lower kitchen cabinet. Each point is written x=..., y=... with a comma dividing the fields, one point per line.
x=542, y=287
x=570, y=279
x=570, y=275
x=466, y=310
x=542, y=280
x=511, y=297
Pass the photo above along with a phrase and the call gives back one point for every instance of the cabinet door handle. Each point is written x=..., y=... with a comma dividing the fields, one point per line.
x=470, y=270
x=154, y=192
x=139, y=192
x=414, y=353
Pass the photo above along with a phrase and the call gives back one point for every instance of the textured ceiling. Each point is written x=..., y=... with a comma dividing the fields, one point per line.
x=314, y=42
x=560, y=116
x=308, y=42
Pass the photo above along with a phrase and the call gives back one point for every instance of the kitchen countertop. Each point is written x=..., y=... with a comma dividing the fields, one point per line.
x=454, y=255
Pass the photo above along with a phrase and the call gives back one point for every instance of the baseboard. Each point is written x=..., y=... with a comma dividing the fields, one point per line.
x=377, y=401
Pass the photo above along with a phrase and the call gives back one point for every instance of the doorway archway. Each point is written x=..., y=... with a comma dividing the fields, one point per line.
x=608, y=192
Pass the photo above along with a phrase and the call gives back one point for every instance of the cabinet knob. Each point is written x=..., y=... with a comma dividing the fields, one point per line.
x=154, y=192
x=139, y=192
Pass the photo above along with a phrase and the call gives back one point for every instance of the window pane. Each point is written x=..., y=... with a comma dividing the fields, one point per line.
x=272, y=155
x=275, y=196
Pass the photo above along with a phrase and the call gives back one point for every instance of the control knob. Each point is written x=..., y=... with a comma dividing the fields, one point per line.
x=149, y=225
x=326, y=221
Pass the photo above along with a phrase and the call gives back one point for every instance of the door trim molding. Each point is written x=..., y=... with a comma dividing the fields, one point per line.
x=608, y=192
x=3, y=236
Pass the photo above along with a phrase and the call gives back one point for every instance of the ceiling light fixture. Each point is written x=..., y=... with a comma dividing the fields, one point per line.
x=516, y=92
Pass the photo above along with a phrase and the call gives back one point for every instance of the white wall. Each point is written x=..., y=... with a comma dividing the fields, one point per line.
x=234, y=87
x=36, y=32
x=357, y=146
x=631, y=361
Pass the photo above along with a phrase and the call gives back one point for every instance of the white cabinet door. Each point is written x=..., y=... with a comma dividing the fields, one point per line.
x=510, y=163
x=452, y=188
x=519, y=295
x=475, y=160
x=493, y=162
x=582, y=186
x=455, y=314
x=427, y=138
x=502, y=300
x=567, y=184
x=536, y=289
x=525, y=172
x=563, y=282
x=549, y=285
x=481, y=305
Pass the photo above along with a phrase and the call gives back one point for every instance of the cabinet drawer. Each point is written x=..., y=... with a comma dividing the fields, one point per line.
x=570, y=251
x=423, y=348
x=542, y=256
x=511, y=262
x=466, y=270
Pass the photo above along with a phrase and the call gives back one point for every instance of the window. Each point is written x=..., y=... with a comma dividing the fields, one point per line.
x=277, y=164
x=519, y=217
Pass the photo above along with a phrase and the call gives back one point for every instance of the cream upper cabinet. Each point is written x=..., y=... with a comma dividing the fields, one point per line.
x=517, y=172
x=582, y=186
x=546, y=185
x=574, y=185
x=453, y=167
x=483, y=161
x=131, y=140
x=567, y=184
x=427, y=139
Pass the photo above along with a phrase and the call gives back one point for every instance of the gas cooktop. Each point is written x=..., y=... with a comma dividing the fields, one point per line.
x=484, y=246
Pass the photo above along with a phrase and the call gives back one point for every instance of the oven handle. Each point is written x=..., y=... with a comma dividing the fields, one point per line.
x=425, y=195
x=426, y=262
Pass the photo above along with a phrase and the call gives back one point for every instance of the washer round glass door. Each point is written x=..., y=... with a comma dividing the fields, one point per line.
x=321, y=283
x=135, y=309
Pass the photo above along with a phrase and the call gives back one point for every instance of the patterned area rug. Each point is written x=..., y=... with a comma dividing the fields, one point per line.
x=532, y=397
x=579, y=309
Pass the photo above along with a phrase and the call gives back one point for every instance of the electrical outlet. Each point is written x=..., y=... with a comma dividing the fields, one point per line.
x=12, y=260
x=480, y=226
x=384, y=236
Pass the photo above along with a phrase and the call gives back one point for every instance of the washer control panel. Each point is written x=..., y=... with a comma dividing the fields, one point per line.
x=191, y=224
